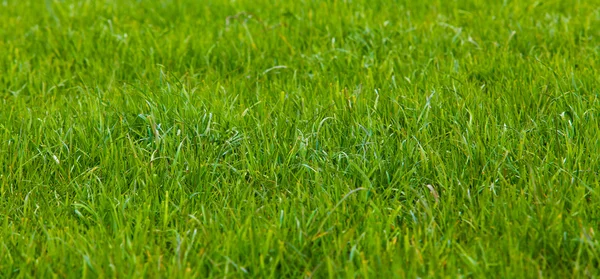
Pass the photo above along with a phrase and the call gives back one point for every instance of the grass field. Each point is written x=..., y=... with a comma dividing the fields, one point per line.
x=270, y=139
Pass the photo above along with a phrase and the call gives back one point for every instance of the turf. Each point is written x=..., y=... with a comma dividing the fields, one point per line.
x=357, y=138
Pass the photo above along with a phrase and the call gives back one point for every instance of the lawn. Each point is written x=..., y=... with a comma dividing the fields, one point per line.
x=291, y=139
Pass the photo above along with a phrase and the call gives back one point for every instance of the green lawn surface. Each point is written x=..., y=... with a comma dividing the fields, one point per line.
x=299, y=139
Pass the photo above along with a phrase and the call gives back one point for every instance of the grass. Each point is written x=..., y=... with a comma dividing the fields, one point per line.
x=357, y=138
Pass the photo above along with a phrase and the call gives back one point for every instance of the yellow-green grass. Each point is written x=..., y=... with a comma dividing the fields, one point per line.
x=289, y=139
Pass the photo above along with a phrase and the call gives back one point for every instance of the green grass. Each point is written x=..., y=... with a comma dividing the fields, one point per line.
x=357, y=138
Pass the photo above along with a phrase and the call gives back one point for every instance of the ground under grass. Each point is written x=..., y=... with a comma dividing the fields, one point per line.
x=358, y=138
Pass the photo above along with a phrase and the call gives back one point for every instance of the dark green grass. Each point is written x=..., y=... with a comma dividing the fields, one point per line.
x=299, y=138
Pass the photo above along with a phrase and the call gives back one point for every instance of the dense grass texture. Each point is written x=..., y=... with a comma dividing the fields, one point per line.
x=263, y=138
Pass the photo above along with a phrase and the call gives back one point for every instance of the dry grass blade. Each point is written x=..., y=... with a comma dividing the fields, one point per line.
x=433, y=192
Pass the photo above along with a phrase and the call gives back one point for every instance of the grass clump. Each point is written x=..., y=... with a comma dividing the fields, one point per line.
x=299, y=138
